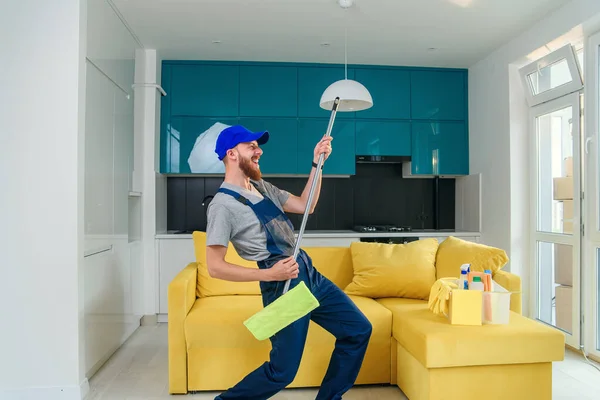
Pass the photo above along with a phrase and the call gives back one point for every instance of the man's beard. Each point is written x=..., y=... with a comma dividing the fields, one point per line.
x=250, y=169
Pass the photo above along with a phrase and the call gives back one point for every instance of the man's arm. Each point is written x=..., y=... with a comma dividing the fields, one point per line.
x=296, y=204
x=221, y=269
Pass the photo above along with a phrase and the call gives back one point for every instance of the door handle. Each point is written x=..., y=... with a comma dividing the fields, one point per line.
x=587, y=141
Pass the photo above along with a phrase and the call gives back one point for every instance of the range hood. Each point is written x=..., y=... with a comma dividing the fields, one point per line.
x=382, y=159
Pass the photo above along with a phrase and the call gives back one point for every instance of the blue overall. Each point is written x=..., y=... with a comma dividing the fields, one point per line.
x=336, y=313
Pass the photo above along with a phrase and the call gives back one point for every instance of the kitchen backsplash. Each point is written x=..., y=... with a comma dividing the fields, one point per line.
x=377, y=194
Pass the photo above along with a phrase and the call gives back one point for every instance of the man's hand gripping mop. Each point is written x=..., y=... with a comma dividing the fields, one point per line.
x=298, y=302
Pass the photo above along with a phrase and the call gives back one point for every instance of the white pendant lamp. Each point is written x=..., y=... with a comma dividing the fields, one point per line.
x=353, y=95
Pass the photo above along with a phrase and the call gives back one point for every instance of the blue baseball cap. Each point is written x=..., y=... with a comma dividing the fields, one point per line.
x=234, y=135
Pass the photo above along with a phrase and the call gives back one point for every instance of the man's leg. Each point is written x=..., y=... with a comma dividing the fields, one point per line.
x=279, y=371
x=352, y=330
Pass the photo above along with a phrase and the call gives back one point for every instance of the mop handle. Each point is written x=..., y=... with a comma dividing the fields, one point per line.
x=312, y=189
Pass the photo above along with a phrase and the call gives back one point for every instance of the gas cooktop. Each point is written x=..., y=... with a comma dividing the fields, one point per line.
x=382, y=228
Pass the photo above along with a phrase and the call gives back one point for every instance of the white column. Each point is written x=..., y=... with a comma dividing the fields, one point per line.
x=42, y=82
x=146, y=177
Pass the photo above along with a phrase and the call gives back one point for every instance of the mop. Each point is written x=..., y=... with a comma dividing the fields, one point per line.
x=298, y=302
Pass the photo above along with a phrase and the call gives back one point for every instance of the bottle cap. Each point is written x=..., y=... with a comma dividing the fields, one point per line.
x=488, y=271
x=476, y=279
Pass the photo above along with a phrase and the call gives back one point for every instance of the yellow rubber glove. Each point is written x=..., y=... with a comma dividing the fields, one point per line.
x=433, y=294
x=440, y=294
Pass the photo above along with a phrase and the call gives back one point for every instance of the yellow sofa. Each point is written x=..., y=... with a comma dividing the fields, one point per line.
x=210, y=349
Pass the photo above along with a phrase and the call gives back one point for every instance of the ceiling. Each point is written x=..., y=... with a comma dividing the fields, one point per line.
x=444, y=33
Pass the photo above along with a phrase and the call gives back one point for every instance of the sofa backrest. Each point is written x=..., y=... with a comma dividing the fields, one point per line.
x=335, y=263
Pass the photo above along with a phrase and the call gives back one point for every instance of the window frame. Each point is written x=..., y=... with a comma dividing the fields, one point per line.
x=567, y=53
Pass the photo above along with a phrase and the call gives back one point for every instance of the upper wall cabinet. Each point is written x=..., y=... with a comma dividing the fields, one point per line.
x=383, y=138
x=312, y=82
x=204, y=90
x=205, y=96
x=280, y=153
x=390, y=90
x=439, y=148
x=438, y=95
x=268, y=91
x=189, y=145
x=342, y=160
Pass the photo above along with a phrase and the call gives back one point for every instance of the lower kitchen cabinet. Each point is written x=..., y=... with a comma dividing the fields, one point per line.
x=173, y=256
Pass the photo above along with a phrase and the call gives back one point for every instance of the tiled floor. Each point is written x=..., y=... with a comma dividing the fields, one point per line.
x=139, y=371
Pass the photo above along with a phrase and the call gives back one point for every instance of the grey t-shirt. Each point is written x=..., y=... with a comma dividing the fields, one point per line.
x=231, y=221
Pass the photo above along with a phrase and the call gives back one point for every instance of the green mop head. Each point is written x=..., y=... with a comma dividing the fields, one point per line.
x=290, y=307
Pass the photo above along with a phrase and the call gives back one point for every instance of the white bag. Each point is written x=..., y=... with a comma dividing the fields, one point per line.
x=203, y=159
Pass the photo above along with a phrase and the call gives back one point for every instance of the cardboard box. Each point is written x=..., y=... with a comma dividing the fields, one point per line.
x=563, y=264
x=567, y=210
x=563, y=188
x=567, y=227
x=564, y=308
x=568, y=166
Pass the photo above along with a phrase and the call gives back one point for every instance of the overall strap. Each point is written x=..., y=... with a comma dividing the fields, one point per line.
x=236, y=196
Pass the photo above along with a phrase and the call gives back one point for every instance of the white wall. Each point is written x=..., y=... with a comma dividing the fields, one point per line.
x=499, y=147
x=41, y=206
x=112, y=265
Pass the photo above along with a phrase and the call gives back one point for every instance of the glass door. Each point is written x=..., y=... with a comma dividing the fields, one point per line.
x=591, y=270
x=553, y=86
x=556, y=238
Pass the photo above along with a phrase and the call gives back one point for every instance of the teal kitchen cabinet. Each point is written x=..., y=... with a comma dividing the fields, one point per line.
x=383, y=138
x=204, y=90
x=280, y=153
x=438, y=95
x=439, y=148
x=268, y=91
x=390, y=90
x=179, y=139
x=312, y=82
x=342, y=160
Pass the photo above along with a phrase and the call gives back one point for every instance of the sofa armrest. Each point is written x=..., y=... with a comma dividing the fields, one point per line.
x=181, y=298
x=512, y=283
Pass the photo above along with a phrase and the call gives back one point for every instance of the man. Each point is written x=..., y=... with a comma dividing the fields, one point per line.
x=250, y=213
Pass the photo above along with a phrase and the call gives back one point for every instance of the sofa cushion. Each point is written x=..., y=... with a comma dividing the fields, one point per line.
x=454, y=252
x=436, y=343
x=214, y=329
x=219, y=319
x=393, y=270
x=335, y=263
x=209, y=286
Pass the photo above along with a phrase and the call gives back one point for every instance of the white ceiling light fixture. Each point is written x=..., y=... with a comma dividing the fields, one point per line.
x=352, y=94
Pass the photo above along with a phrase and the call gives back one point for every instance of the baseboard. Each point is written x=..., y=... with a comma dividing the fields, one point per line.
x=148, y=320
x=163, y=318
x=84, y=389
x=48, y=393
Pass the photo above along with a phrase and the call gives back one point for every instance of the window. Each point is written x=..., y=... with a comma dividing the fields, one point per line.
x=552, y=76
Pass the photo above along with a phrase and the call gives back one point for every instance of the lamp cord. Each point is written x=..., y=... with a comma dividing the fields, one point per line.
x=346, y=43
